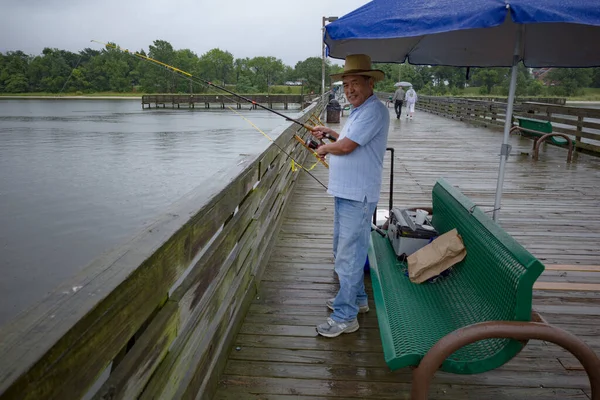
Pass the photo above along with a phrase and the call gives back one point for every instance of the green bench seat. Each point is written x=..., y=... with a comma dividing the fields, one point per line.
x=537, y=128
x=493, y=283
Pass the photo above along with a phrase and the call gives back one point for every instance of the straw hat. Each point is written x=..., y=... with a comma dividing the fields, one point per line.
x=359, y=64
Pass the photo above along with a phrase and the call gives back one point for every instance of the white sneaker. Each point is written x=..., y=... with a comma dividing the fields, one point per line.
x=333, y=328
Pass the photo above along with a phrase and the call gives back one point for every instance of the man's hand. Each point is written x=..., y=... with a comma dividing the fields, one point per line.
x=322, y=151
x=321, y=131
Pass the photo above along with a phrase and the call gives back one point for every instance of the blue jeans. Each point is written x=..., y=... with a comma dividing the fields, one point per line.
x=351, y=233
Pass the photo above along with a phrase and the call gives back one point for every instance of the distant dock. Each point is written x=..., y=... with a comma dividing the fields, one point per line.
x=220, y=101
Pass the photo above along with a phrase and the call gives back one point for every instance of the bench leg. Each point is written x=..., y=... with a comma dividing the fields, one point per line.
x=539, y=141
x=434, y=358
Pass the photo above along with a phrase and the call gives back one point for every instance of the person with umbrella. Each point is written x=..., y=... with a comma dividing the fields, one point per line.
x=397, y=100
x=355, y=170
x=411, y=99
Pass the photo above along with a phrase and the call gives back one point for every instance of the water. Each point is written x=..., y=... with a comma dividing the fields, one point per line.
x=80, y=177
x=583, y=104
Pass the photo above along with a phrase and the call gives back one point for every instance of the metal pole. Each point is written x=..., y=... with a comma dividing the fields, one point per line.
x=325, y=19
x=323, y=60
x=505, y=149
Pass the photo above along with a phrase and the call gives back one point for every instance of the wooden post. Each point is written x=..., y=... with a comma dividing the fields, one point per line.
x=578, y=140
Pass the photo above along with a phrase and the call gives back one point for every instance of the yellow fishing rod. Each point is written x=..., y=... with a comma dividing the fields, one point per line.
x=209, y=83
x=309, y=144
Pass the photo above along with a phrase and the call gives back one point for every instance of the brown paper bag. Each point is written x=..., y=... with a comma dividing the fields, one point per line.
x=439, y=255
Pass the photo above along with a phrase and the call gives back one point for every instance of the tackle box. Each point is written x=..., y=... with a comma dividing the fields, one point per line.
x=405, y=235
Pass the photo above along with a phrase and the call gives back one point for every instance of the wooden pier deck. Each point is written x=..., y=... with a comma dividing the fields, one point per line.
x=552, y=208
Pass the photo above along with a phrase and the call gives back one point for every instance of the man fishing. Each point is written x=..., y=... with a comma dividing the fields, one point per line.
x=355, y=170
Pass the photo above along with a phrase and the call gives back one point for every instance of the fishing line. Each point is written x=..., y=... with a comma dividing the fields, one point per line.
x=307, y=127
x=283, y=151
x=206, y=82
x=70, y=75
x=201, y=81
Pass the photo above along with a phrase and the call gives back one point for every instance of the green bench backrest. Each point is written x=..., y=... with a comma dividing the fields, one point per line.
x=535, y=124
x=496, y=266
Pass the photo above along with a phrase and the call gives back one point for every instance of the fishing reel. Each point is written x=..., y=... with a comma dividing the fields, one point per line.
x=312, y=144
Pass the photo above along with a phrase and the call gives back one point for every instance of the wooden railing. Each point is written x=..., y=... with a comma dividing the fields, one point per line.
x=191, y=100
x=581, y=124
x=561, y=101
x=156, y=317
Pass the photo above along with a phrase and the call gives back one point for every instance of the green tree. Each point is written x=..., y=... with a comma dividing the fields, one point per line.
x=486, y=79
x=524, y=81
x=595, y=77
x=49, y=72
x=14, y=67
x=310, y=70
x=423, y=77
x=241, y=68
x=156, y=79
x=94, y=73
x=536, y=88
x=569, y=81
x=16, y=83
x=217, y=65
x=267, y=71
x=186, y=60
x=244, y=85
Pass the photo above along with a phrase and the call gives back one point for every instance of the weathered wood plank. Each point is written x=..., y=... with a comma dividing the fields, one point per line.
x=386, y=390
x=569, y=267
x=528, y=377
x=131, y=376
x=585, y=287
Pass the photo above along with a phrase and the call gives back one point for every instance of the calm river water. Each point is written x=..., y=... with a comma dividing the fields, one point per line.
x=79, y=177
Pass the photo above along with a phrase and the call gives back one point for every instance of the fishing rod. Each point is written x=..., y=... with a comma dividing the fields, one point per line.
x=309, y=144
x=209, y=83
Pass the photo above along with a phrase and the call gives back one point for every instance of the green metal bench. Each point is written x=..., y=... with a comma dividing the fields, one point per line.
x=538, y=128
x=533, y=124
x=493, y=283
x=540, y=131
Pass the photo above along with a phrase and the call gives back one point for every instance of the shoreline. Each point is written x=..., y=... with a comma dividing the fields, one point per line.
x=71, y=97
x=100, y=97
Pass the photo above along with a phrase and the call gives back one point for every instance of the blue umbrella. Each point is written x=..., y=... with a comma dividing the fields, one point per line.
x=467, y=33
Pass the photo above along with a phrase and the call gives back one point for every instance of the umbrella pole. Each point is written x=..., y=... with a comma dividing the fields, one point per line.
x=505, y=149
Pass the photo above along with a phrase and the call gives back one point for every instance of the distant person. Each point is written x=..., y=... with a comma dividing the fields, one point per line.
x=333, y=103
x=397, y=100
x=411, y=99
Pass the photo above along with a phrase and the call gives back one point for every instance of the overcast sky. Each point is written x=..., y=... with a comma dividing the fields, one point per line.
x=289, y=30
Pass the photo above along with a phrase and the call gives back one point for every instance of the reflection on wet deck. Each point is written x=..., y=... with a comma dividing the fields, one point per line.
x=550, y=207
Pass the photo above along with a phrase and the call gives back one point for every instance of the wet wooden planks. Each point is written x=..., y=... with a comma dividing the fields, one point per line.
x=551, y=208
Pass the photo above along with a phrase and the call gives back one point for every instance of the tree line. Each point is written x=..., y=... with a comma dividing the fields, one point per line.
x=112, y=70
x=440, y=80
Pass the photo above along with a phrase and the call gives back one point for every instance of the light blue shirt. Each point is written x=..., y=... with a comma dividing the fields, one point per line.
x=357, y=175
